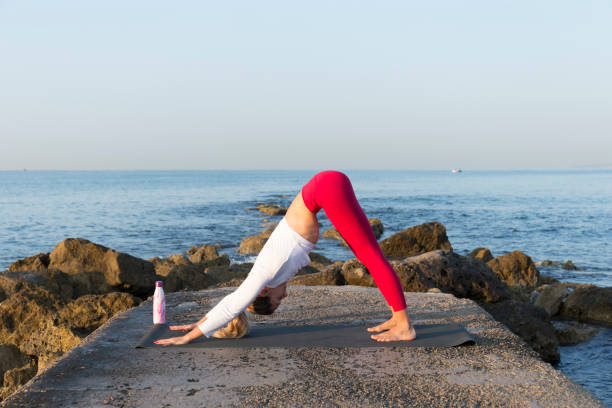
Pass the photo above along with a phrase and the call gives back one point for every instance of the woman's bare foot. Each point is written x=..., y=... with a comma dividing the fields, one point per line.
x=398, y=328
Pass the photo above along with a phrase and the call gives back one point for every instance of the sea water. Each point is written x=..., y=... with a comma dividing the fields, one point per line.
x=554, y=215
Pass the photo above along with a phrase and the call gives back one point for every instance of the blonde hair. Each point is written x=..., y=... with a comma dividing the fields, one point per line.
x=235, y=329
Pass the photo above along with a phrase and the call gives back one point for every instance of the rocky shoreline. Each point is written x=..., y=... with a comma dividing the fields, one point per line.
x=51, y=301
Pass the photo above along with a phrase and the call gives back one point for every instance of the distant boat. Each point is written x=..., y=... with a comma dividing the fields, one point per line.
x=457, y=171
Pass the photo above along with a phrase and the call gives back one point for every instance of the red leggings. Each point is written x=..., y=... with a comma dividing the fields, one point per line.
x=332, y=191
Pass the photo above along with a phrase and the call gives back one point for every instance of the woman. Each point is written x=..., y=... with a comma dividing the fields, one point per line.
x=286, y=251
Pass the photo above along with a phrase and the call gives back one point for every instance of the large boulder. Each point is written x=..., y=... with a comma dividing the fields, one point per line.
x=515, y=269
x=102, y=270
x=452, y=273
x=375, y=224
x=589, y=304
x=416, y=240
x=550, y=297
x=484, y=254
x=32, y=263
x=529, y=322
x=254, y=243
x=330, y=275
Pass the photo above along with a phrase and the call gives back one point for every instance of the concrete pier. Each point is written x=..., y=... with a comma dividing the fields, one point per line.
x=500, y=370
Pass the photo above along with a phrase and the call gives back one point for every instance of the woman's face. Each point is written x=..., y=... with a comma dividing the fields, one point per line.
x=276, y=295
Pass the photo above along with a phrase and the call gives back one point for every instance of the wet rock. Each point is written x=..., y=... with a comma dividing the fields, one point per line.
x=416, y=240
x=452, y=273
x=547, y=262
x=589, y=304
x=375, y=224
x=550, y=297
x=572, y=333
x=484, y=254
x=254, y=243
x=32, y=263
x=89, y=312
x=102, y=270
x=271, y=209
x=204, y=253
x=331, y=275
x=530, y=323
x=515, y=269
x=569, y=266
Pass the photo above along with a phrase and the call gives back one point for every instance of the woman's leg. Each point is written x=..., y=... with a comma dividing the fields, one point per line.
x=332, y=191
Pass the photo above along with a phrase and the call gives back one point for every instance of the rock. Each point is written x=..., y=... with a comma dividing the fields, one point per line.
x=550, y=298
x=375, y=224
x=547, y=262
x=89, y=312
x=529, y=322
x=271, y=209
x=416, y=240
x=16, y=377
x=204, y=253
x=16, y=368
x=27, y=307
x=569, y=266
x=49, y=341
x=572, y=333
x=355, y=273
x=589, y=304
x=331, y=275
x=178, y=273
x=254, y=243
x=547, y=280
x=102, y=270
x=11, y=357
x=319, y=261
x=481, y=253
x=56, y=282
x=515, y=269
x=452, y=273
x=32, y=263
x=223, y=273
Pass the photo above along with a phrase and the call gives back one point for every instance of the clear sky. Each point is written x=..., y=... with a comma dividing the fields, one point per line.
x=305, y=85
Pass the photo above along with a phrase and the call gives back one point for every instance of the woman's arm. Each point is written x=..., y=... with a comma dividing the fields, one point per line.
x=226, y=310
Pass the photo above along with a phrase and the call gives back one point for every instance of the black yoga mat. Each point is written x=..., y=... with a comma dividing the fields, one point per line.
x=333, y=336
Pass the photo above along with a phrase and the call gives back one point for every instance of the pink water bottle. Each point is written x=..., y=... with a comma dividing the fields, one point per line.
x=159, y=304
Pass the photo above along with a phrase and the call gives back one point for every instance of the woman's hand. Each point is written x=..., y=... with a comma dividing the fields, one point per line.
x=184, y=327
x=172, y=341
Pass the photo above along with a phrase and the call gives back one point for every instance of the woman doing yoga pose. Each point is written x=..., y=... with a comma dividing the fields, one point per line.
x=286, y=251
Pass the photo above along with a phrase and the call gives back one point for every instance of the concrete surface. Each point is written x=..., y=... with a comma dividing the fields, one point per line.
x=501, y=370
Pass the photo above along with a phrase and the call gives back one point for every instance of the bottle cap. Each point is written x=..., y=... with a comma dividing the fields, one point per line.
x=159, y=284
